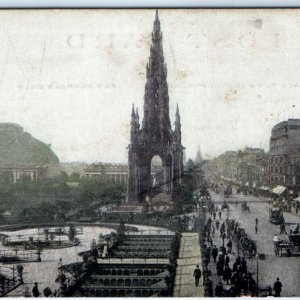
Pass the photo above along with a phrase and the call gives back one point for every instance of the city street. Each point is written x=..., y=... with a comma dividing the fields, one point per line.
x=286, y=268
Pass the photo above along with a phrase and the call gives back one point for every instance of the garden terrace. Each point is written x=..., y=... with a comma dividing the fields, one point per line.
x=127, y=280
x=144, y=246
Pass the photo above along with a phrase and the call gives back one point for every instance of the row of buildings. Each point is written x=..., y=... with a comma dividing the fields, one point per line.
x=256, y=168
x=101, y=171
x=252, y=167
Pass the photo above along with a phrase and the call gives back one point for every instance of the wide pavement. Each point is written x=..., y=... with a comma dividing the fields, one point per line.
x=189, y=257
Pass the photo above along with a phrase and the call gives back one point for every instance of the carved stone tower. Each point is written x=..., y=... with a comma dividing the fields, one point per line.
x=156, y=136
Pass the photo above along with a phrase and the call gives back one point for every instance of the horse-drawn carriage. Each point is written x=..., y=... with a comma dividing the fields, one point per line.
x=294, y=239
x=245, y=243
x=288, y=244
x=276, y=216
x=248, y=245
x=283, y=246
x=245, y=207
x=228, y=192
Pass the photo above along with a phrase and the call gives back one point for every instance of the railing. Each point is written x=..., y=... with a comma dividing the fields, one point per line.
x=152, y=232
x=9, y=272
x=7, y=256
x=133, y=260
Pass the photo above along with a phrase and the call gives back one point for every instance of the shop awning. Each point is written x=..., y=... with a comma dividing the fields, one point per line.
x=279, y=189
x=297, y=199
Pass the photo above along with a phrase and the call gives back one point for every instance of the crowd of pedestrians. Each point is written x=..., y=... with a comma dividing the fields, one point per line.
x=228, y=272
x=233, y=278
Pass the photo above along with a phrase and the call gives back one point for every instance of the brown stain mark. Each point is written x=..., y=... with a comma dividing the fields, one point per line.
x=181, y=74
x=140, y=69
x=114, y=56
x=257, y=23
x=231, y=95
x=145, y=40
x=222, y=41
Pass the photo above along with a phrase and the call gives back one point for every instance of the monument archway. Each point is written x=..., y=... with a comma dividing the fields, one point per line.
x=155, y=136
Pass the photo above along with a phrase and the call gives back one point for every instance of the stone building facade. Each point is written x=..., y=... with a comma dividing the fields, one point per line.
x=107, y=172
x=15, y=172
x=284, y=158
x=248, y=167
x=155, y=136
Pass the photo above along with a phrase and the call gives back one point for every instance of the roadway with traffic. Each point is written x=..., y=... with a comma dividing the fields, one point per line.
x=286, y=268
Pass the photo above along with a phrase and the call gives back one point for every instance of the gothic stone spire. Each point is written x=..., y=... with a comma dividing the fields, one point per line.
x=156, y=122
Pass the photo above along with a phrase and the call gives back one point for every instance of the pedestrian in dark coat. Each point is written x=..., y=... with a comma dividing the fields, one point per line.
x=222, y=229
x=227, y=260
x=220, y=267
x=223, y=238
x=227, y=275
x=207, y=253
x=243, y=266
x=209, y=291
x=235, y=267
x=214, y=252
x=252, y=286
x=217, y=224
x=219, y=290
x=220, y=215
x=35, y=290
x=244, y=283
x=214, y=215
x=234, y=278
x=229, y=246
x=197, y=275
x=213, y=231
x=277, y=288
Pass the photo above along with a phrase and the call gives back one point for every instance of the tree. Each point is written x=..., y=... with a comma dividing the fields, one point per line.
x=61, y=189
x=74, y=177
x=62, y=177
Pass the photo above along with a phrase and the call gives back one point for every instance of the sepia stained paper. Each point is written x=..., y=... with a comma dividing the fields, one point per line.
x=69, y=78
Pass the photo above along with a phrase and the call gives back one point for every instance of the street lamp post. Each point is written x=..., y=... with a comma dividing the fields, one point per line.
x=257, y=288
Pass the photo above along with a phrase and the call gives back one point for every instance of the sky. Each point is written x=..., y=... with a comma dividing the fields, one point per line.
x=70, y=77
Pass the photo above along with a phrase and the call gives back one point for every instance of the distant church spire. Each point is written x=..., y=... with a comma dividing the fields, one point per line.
x=178, y=125
x=177, y=116
x=198, y=158
x=137, y=117
x=133, y=125
x=132, y=114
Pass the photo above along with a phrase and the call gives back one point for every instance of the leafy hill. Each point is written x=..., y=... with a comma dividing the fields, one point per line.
x=19, y=147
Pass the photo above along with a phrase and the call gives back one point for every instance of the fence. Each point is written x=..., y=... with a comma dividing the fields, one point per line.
x=152, y=232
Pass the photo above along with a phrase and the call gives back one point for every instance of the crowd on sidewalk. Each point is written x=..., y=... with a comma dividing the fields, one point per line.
x=226, y=273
